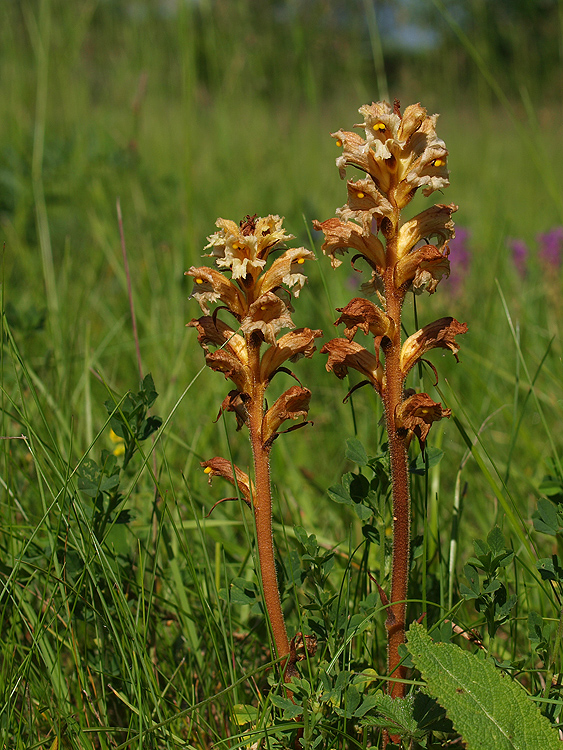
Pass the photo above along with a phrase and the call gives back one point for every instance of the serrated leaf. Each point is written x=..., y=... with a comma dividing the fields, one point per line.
x=356, y=452
x=488, y=709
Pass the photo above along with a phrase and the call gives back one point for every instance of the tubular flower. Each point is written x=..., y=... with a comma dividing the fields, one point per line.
x=416, y=414
x=343, y=354
x=398, y=154
x=434, y=222
x=362, y=314
x=343, y=235
x=220, y=467
x=439, y=334
x=292, y=404
x=423, y=268
x=258, y=295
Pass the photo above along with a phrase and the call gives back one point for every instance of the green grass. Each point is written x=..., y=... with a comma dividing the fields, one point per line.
x=136, y=637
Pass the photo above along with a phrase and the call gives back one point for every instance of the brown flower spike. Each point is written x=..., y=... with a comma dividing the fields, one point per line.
x=398, y=154
x=257, y=298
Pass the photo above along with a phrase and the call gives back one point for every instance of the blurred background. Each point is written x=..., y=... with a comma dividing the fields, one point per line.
x=186, y=111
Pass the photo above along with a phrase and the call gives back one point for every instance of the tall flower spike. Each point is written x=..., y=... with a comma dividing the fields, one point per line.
x=257, y=296
x=399, y=155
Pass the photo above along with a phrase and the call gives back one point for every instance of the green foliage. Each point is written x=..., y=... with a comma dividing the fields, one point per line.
x=491, y=711
x=490, y=594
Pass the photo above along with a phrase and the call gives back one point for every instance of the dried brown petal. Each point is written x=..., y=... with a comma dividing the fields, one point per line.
x=292, y=404
x=416, y=415
x=424, y=268
x=439, y=334
x=362, y=314
x=343, y=354
x=291, y=346
x=267, y=316
x=220, y=467
x=341, y=236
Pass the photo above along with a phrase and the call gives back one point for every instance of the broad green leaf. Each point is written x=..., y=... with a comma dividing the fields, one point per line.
x=244, y=713
x=356, y=452
x=488, y=709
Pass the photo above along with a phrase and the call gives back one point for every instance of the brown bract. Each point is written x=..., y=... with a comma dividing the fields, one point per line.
x=343, y=354
x=212, y=330
x=236, y=402
x=439, y=334
x=232, y=368
x=416, y=414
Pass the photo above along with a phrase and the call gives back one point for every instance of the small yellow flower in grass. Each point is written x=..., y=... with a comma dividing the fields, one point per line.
x=119, y=443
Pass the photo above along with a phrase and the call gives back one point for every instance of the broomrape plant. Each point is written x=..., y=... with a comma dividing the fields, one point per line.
x=258, y=298
x=399, y=154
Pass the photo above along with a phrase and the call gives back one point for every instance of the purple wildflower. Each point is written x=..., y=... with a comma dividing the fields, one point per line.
x=519, y=255
x=460, y=258
x=550, y=247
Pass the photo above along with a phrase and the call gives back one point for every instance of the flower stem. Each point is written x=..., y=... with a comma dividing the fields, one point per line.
x=393, y=396
x=262, y=506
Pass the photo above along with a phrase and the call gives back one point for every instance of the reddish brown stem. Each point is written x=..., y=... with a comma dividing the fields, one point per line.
x=393, y=396
x=262, y=505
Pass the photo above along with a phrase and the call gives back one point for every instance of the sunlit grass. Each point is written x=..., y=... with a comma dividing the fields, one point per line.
x=134, y=641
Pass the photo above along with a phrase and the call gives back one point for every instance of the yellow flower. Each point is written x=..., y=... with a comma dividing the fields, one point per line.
x=119, y=443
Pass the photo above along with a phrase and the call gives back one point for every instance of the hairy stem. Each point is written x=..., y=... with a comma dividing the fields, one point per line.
x=262, y=505
x=393, y=396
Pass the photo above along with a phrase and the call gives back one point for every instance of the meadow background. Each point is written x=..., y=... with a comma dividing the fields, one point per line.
x=121, y=627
